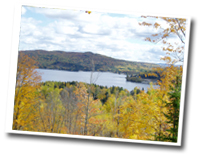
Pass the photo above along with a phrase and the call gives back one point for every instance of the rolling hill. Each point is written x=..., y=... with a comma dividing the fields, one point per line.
x=79, y=61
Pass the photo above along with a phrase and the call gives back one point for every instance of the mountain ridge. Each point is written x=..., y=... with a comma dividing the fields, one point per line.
x=76, y=61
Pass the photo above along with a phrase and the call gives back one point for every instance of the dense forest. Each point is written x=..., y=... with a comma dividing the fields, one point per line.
x=76, y=61
x=145, y=77
x=89, y=109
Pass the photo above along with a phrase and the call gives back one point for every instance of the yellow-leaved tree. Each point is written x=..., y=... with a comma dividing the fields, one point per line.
x=166, y=125
x=26, y=96
x=169, y=28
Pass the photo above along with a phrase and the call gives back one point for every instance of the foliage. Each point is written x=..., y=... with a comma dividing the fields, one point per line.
x=75, y=61
x=173, y=113
x=172, y=27
x=26, y=96
x=170, y=78
x=79, y=108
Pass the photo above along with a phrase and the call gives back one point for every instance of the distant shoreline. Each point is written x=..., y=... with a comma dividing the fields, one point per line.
x=143, y=81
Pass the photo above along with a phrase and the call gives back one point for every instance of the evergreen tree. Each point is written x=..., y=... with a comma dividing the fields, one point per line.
x=173, y=113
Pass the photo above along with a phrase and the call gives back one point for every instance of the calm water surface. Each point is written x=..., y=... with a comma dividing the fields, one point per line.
x=100, y=78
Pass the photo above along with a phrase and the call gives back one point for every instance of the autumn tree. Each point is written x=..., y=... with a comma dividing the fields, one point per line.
x=83, y=103
x=27, y=82
x=51, y=109
x=69, y=101
x=171, y=27
x=92, y=80
x=168, y=81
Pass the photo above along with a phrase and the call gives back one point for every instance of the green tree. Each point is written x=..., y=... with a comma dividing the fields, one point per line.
x=173, y=113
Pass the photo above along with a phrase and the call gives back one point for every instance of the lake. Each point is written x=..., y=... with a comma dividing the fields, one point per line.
x=100, y=78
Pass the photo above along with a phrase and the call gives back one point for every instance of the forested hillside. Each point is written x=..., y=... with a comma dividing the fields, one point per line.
x=75, y=61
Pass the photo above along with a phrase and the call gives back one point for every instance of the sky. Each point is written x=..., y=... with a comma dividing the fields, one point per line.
x=112, y=34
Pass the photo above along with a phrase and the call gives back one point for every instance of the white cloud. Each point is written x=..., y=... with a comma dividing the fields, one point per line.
x=118, y=37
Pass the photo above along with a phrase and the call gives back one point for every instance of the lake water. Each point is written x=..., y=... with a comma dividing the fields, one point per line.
x=100, y=78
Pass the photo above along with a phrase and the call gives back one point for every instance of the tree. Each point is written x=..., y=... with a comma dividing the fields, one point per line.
x=173, y=113
x=170, y=81
x=92, y=81
x=173, y=27
x=69, y=102
x=51, y=109
x=27, y=82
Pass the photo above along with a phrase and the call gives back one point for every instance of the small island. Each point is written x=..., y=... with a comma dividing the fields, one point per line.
x=145, y=77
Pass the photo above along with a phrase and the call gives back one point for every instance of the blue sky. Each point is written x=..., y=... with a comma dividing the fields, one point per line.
x=115, y=35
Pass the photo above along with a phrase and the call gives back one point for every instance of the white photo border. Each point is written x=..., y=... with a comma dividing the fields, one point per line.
x=13, y=71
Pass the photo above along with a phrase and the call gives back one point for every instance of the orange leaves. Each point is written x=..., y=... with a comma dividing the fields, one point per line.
x=145, y=24
x=173, y=30
x=154, y=35
x=81, y=92
x=148, y=39
x=168, y=49
x=175, y=26
x=165, y=35
x=27, y=83
x=156, y=25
